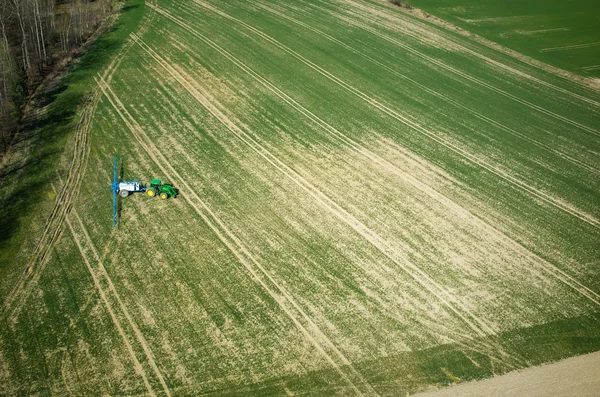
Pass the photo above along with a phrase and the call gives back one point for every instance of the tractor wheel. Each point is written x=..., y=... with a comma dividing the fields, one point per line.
x=164, y=196
x=150, y=192
x=124, y=193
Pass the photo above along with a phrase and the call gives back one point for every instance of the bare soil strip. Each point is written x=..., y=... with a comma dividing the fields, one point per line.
x=277, y=292
x=435, y=93
x=332, y=131
x=417, y=127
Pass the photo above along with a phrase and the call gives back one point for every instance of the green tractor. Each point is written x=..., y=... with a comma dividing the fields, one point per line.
x=163, y=190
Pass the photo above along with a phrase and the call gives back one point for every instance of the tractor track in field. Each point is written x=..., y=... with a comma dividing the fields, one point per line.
x=54, y=222
x=462, y=74
x=139, y=369
x=453, y=304
x=66, y=196
x=276, y=291
x=559, y=204
x=372, y=237
x=458, y=46
x=403, y=18
x=111, y=288
x=423, y=187
x=445, y=98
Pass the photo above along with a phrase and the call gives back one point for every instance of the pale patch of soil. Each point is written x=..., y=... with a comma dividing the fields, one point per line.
x=576, y=376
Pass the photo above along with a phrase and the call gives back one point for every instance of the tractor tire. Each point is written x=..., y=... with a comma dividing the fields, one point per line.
x=164, y=196
x=124, y=193
x=150, y=192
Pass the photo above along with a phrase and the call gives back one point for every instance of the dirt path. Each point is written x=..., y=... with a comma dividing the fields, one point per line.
x=576, y=376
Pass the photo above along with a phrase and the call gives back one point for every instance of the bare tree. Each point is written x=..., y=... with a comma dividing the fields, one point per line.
x=20, y=11
x=34, y=34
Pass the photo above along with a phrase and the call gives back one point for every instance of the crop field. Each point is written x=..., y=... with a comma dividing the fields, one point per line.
x=561, y=33
x=370, y=205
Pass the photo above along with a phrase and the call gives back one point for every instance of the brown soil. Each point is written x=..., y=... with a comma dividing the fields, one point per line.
x=576, y=376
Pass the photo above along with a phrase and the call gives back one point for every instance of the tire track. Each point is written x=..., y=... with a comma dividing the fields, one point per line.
x=489, y=60
x=461, y=73
x=62, y=206
x=415, y=126
x=139, y=369
x=400, y=260
x=542, y=264
x=447, y=99
x=259, y=274
x=66, y=196
x=111, y=288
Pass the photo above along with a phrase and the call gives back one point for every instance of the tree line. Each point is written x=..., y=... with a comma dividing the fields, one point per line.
x=35, y=36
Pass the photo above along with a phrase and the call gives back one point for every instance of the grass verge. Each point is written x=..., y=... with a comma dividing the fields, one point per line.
x=43, y=146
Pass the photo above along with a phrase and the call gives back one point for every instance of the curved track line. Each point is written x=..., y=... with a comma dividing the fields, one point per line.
x=54, y=222
x=277, y=292
x=406, y=177
x=378, y=242
x=415, y=126
x=560, y=154
x=67, y=194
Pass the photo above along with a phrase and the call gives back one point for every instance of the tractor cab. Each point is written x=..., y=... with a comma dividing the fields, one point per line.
x=163, y=190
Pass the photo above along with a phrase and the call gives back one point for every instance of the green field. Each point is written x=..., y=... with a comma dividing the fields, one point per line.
x=565, y=34
x=370, y=205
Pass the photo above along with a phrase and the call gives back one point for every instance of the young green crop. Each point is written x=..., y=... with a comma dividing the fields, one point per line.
x=368, y=205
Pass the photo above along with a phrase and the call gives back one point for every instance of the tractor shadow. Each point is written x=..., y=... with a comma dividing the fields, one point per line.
x=119, y=210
